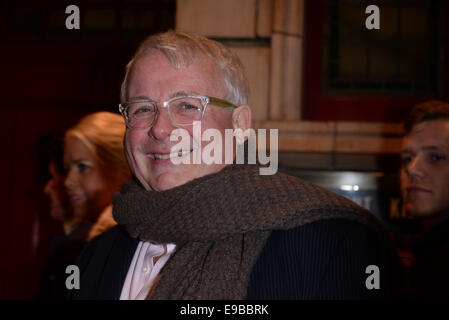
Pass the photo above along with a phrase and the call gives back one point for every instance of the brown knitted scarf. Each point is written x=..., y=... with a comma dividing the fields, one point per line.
x=220, y=224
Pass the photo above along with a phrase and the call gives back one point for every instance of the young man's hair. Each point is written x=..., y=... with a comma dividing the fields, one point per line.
x=426, y=111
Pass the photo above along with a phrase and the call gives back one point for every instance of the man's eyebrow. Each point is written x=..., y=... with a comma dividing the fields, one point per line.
x=434, y=148
x=137, y=98
x=180, y=93
x=406, y=151
x=426, y=148
x=183, y=94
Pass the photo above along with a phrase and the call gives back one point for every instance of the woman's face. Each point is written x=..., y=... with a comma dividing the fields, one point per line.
x=88, y=191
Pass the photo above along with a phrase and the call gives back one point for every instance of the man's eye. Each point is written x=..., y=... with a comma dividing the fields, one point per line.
x=406, y=160
x=437, y=157
x=189, y=107
x=143, y=110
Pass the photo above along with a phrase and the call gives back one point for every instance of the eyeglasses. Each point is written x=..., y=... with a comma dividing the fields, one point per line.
x=183, y=111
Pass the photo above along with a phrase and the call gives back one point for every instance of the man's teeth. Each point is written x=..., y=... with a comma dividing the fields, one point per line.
x=171, y=155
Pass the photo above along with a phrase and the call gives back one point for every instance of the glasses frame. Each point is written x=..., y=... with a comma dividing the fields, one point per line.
x=205, y=100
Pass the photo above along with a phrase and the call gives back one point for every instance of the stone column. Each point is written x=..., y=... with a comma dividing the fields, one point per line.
x=286, y=60
x=245, y=27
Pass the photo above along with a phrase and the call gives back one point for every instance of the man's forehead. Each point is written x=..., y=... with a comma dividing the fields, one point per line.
x=178, y=61
x=433, y=129
x=428, y=135
x=193, y=78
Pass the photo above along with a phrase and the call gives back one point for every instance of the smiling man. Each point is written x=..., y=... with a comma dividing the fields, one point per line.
x=148, y=144
x=193, y=230
x=425, y=194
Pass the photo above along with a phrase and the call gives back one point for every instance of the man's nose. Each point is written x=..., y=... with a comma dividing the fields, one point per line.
x=415, y=167
x=162, y=126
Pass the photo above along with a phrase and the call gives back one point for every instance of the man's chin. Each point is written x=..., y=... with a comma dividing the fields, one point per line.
x=164, y=179
x=419, y=211
x=167, y=181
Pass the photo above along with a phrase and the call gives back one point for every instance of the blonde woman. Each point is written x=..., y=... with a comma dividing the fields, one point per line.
x=96, y=168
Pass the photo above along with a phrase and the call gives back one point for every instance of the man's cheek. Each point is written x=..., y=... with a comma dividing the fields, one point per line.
x=129, y=151
x=132, y=138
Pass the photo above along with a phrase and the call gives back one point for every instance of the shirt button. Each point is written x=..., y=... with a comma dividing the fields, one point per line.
x=145, y=269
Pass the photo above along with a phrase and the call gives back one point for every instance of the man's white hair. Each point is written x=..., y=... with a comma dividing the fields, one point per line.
x=183, y=47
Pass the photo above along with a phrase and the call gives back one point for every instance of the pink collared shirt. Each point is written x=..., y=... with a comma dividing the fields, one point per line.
x=147, y=262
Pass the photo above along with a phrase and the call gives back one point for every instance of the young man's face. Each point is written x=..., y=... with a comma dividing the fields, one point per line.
x=148, y=149
x=425, y=169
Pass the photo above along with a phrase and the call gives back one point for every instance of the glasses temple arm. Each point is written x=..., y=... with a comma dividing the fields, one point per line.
x=221, y=103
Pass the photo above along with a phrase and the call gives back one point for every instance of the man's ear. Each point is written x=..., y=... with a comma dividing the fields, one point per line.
x=241, y=117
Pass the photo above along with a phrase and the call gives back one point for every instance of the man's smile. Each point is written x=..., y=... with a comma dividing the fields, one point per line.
x=165, y=156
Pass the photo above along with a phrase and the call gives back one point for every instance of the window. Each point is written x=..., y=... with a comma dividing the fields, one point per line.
x=353, y=73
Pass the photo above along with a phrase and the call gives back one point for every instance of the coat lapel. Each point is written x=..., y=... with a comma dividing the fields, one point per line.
x=116, y=266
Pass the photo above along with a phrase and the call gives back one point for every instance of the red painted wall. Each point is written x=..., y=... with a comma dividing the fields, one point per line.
x=45, y=88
